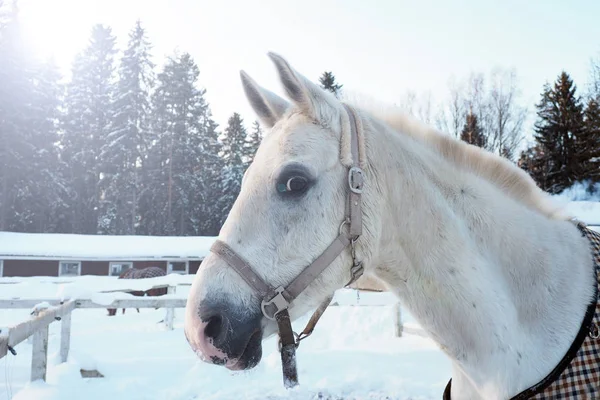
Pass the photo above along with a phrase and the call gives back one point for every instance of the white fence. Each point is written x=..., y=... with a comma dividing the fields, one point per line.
x=49, y=310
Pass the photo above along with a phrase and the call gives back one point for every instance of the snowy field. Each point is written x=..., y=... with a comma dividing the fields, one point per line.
x=353, y=353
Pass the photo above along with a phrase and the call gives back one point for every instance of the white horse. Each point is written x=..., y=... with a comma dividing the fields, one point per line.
x=491, y=269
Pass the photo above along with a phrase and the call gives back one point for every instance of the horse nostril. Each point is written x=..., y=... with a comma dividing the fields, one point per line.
x=214, y=327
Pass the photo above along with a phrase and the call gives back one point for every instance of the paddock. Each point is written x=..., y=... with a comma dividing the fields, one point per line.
x=45, y=346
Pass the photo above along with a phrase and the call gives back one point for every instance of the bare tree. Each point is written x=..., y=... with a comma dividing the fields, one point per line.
x=419, y=107
x=494, y=101
x=506, y=116
x=451, y=117
x=408, y=102
x=424, y=108
x=477, y=103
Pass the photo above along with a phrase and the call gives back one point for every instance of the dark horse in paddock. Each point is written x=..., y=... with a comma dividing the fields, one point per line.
x=134, y=273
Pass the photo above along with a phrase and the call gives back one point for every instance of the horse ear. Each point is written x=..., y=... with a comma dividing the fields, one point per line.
x=312, y=99
x=267, y=105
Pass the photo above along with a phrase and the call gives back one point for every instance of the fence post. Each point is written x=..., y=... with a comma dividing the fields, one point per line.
x=65, y=337
x=170, y=311
x=39, y=354
x=398, y=320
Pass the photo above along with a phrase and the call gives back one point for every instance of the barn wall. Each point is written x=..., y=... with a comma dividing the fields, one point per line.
x=193, y=267
x=94, y=268
x=50, y=267
x=30, y=268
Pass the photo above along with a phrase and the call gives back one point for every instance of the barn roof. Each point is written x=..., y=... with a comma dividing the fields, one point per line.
x=52, y=246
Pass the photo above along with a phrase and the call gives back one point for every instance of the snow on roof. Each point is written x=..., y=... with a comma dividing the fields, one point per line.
x=101, y=247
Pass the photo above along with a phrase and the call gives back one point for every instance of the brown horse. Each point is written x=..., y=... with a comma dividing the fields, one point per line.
x=133, y=273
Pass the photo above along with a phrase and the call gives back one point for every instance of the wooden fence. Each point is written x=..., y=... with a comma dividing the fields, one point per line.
x=49, y=310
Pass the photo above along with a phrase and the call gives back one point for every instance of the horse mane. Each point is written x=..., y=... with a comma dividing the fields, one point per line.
x=505, y=175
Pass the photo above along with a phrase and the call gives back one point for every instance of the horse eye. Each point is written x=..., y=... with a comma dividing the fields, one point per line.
x=293, y=184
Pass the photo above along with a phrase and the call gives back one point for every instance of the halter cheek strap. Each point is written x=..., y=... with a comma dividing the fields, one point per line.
x=276, y=301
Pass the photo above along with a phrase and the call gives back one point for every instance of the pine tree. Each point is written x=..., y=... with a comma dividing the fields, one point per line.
x=212, y=168
x=534, y=162
x=472, y=133
x=15, y=143
x=252, y=143
x=327, y=81
x=234, y=149
x=125, y=145
x=47, y=192
x=87, y=123
x=588, y=144
x=595, y=78
x=30, y=186
x=181, y=159
x=560, y=122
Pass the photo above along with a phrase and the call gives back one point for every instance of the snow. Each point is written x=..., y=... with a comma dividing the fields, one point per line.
x=113, y=248
x=140, y=359
x=580, y=203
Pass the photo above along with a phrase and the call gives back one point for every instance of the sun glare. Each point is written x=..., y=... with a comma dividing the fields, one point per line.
x=54, y=29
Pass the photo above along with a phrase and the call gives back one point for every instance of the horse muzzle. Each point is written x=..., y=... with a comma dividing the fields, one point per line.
x=223, y=335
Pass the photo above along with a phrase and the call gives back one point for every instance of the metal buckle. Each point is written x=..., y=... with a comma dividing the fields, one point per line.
x=278, y=300
x=356, y=180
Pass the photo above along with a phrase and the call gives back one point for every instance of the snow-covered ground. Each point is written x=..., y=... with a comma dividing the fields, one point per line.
x=353, y=353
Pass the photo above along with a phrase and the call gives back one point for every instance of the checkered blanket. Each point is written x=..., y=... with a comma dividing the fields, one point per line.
x=581, y=378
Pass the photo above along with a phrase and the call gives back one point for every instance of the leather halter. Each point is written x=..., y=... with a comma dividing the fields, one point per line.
x=276, y=301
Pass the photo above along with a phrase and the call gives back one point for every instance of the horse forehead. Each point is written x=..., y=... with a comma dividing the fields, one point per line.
x=302, y=138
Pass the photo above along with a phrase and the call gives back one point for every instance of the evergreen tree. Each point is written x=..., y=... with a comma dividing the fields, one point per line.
x=472, y=133
x=210, y=220
x=30, y=186
x=46, y=191
x=507, y=152
x=180, y=163
x=595, y=78
x=124, y=148
x=588, y=144
x=234, y=149
x=87, y=123
x=560, y=123
x=14, y=138
x=327, y=81
x=252, y=142
x=534, y=162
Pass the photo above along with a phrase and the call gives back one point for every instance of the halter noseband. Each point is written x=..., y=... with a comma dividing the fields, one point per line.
x=276, y=301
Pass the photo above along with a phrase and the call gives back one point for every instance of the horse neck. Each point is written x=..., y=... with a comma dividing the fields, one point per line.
x=501, y=288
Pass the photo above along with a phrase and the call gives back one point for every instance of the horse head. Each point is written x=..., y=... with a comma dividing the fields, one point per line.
x=292, y=202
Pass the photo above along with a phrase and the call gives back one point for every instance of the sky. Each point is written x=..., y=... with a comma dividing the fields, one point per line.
x=380, y=49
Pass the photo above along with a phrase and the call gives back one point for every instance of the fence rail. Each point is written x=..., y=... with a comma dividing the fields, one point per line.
x=48, y=310
x=142, y=302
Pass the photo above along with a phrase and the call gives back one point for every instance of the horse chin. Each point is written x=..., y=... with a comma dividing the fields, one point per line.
x=251, y=355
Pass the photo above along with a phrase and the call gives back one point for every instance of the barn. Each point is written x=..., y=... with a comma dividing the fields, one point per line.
x=45, y=254
x=55, y=254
